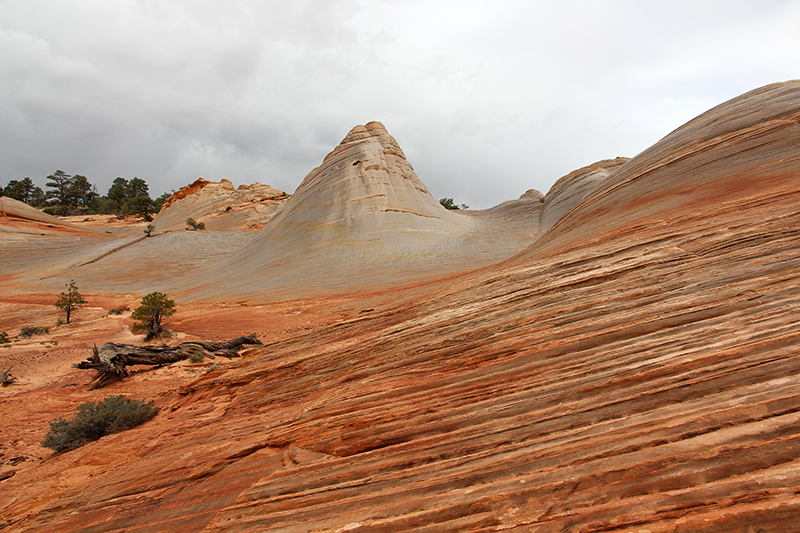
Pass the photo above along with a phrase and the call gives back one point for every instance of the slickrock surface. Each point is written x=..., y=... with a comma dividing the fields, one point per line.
x=19, y=218
x=361, y=223
x=364, y=220
x=635, y=369
x=572, y=188
x=220, y=206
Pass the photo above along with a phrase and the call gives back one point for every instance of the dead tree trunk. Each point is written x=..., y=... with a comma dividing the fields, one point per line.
x=6, y=378
x=111, y=360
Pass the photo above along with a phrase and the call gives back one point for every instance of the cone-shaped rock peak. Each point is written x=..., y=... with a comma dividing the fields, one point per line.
x=363, y=218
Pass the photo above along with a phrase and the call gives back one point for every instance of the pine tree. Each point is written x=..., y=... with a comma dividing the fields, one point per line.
x=70, y=300
x=147, y=317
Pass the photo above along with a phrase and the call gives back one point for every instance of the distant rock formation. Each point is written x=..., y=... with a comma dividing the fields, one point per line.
x=636, y=368
x=572, y=188
x=738, y=148
x=363, y=219
x=20, y=218
x=220, y=206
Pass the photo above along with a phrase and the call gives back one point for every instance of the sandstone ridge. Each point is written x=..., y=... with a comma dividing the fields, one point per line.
x=361, y=222
x=220, y=206
x=361, y=219
x=19, y=218
x=634, y=368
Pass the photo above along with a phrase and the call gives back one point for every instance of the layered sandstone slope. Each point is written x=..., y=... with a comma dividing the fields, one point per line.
x=220, y=206
x=42, y=245
x=20, y=218
x=644, y=377
x=574, y=187
x=363, y=220
x=747, y=143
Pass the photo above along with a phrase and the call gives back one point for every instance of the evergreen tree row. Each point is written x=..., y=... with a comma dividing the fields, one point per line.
x=75, y=195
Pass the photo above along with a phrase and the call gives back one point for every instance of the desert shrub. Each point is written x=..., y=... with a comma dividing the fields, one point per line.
x=193, y=225
x=147, y=317
x=71, y=300
x=94, y=420
x=4, y=338
x=29, y=331
x=448, y=203
x=196, y=357
x=118, y=310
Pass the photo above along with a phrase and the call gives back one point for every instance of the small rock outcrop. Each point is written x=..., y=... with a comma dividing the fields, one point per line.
x=220, y=206
x=574, y=187
x=19, y=218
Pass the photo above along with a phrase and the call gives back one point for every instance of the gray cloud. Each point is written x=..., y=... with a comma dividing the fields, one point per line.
x=488, y=99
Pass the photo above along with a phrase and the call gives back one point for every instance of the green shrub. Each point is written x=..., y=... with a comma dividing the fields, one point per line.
x=118, y=310
x=448, y=203
x=4, y=338
x=147, y=317
x=29, y=331
x=71, y=300
x=196, y=357
x=95, y=420
x=193, y=225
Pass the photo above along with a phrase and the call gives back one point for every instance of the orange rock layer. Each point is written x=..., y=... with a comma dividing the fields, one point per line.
x=637, y=369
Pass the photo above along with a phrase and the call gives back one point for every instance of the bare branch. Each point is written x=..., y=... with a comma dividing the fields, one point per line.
x=111, y=360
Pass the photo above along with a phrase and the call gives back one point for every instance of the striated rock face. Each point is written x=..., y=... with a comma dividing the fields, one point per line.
x=220, y=206
x=364, y=220
x=21, y=219
x=746, y=144
x=635, y=369
x=572, y=188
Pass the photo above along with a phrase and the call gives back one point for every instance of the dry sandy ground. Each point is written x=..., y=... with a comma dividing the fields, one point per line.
x=44, y=359
x=48, y=384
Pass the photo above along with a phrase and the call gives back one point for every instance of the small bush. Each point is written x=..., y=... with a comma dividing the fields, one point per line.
x=118, y=310
x=95, y=420
x=448, y=203
x=193, y=225
x=4, y=338
x=147, y=317
x=71, y=300
x=196, y=357
x=29, y=331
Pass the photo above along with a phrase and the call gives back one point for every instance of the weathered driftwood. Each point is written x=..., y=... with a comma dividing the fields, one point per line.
x=111, y=360
x=6, y=378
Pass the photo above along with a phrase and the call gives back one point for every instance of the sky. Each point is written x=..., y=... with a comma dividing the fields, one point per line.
x=487, y=99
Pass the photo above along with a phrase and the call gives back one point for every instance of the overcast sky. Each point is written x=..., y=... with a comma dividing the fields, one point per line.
x=487, y=98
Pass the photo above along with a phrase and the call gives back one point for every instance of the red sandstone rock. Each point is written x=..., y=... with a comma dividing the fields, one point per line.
x=220, y=206
x=635, y=369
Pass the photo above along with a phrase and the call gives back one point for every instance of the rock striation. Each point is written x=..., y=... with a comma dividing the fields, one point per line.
x=572, y=188
x=364, y=220
x=21, y=219
x=634, y=369
x=220, y=206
